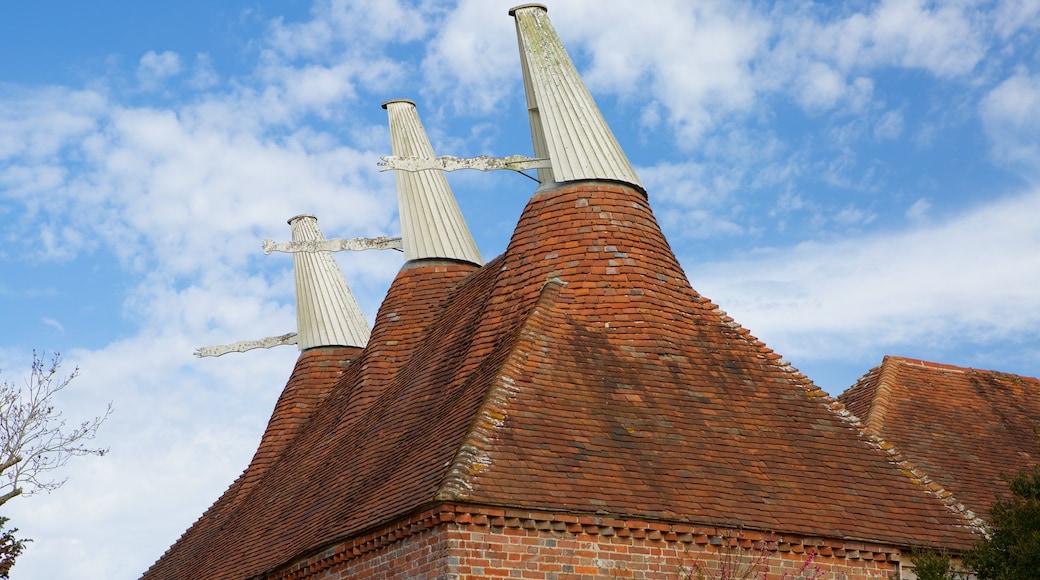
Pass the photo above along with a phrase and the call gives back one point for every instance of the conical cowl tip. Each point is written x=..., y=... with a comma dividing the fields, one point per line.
x=514, y=9
x=326, y=312
x=386, y=104
x=566, y=125
x=432, y=225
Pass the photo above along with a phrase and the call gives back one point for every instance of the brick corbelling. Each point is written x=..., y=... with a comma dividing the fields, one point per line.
x=464, y=517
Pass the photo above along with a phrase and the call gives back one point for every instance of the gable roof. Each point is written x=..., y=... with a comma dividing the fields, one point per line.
x=965, y=428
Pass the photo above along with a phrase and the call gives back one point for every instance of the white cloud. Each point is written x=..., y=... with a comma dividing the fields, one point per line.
x=57, y=326
x=1011, y=114
x=943, y=39
x=971, y=277
x=472, y=56
x=890, y=126
x=187, y=188
x=38, y=124
x=1014, y=15
x=819, y=87
x=692, y=58
x=826, y=62
x=349, y=25
x=919, y=210
x=203, y=75
x=154, y=68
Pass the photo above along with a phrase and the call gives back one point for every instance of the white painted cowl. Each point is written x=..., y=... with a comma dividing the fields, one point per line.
x=566, y=125
x=432, y=225
x=326, y=312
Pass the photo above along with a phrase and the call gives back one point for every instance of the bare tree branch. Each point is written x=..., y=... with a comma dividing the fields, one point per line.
x=34, y=439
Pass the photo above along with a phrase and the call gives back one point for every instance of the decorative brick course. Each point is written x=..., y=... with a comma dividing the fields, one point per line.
x=448, y=542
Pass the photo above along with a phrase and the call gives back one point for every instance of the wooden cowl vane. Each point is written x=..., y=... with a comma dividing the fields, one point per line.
x=432, y=225
x=326, y=312
x=566, y=125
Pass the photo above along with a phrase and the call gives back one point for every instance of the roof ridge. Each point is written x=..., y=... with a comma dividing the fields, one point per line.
x=358, y=401
x=766, y=351
x=958, y=369
x=878, y=408
x=470, y=459
x=896, y=457
x=931, y=365
x=893, y=455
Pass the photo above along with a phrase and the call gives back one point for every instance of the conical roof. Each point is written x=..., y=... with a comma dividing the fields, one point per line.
x=326, y=312
x=579, y=372
x=432, y=225
x=316, y=372
x=566, y=125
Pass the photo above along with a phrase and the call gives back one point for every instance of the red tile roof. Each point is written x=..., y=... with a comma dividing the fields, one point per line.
x=577, y=372
x=316, y=372
x=965, y=428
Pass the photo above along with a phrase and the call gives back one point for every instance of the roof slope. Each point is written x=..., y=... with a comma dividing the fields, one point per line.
x=630, y=393
x=578, y=371
x=315, y=374
x=963, y=427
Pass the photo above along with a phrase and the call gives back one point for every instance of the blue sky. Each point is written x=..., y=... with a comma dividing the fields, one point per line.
x=847, y=181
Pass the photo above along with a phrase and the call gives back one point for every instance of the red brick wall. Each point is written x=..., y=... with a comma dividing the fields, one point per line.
x=423, y=555
x=456, y=544
x=505, y=553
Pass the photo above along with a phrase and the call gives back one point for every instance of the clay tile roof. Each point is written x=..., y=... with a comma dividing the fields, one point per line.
x=577, y=372
x=965, y=428
x=317, y=370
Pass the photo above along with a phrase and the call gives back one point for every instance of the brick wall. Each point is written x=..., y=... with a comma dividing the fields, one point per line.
x=462, y=543
x=423, y=555
x=490, y=552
